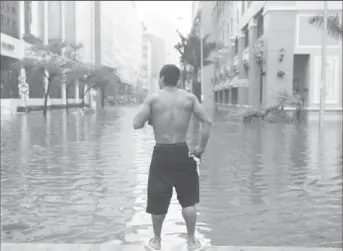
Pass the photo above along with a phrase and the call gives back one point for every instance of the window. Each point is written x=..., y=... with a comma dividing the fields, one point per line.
x=260, y=24
x=231, y=25
x=237, y=17
x=236, y=46
x=228, y=31
x=243, y=6
x=246, y=37
x=13, y=10
x=14, y=23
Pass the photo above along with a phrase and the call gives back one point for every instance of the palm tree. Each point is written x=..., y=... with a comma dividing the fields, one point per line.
x=334, y=24
x=190, y=53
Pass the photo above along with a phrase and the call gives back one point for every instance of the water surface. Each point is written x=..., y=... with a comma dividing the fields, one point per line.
x=82, y=179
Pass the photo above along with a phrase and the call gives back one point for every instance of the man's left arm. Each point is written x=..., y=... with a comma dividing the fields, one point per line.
x=143, y=115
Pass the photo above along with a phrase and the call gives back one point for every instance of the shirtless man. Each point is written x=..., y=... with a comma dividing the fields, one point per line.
x=169, y=113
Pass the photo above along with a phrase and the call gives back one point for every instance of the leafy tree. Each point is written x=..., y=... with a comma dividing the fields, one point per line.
x=334, y=26
x=48, y=61
x=190, y=53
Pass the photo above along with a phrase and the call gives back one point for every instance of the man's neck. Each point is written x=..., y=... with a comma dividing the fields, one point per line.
x=170, y=88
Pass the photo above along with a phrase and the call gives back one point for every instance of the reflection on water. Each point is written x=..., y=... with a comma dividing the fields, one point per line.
x=82, y=179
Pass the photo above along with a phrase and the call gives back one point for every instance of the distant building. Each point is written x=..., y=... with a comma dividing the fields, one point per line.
x=291, y=47
x=153, y=56
x=110, y=33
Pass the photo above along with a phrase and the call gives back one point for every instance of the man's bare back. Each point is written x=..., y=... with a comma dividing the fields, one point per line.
x=171, y=111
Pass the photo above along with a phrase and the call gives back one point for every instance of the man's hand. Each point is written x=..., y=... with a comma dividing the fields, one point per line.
x=198, y=151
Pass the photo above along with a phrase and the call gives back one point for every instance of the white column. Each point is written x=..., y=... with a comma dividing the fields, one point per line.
x=77, y=91
x=46, y=37
x=22, y=72
x=63, y=89
x=63, y=80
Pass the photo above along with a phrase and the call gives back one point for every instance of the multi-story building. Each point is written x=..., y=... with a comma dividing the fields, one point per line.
x=270, y=47
x=108, y=39
x=153, y=56
x=121, y=38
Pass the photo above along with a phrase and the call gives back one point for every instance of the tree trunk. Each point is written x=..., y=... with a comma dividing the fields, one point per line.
x=183, y=78
x=46, y=97
x=196, y=86
x=66, y=91
x=83, y=96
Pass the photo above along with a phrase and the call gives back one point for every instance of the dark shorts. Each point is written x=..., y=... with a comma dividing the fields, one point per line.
x=171, y=166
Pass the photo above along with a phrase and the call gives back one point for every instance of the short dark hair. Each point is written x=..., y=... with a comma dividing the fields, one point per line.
x=170, y=74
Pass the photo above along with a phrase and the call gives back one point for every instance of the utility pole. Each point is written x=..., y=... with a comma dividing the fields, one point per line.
x=323, y=68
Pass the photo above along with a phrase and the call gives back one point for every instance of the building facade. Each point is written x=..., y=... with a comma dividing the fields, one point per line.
x=105, y=39
x=268, y=48
x=153, y=56
x=121, y=34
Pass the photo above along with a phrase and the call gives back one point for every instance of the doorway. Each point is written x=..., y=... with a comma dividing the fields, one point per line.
x=301, y=77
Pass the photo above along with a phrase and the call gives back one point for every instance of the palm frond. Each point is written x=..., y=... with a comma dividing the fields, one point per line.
x=334, y=24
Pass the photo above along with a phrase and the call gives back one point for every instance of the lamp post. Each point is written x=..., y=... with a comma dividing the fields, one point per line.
x=323, y=67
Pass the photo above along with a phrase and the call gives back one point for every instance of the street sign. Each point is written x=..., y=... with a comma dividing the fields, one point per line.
x=23, y=89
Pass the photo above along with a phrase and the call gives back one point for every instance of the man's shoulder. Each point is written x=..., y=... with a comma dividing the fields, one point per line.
x=190, y=96
x=151, y=98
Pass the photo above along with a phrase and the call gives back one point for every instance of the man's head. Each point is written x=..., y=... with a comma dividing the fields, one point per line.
x=169, y=75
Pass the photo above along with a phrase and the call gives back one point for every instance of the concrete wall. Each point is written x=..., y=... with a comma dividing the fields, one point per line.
x=206, y=24
x=290, y=30
x=279, y=33
x=121, y=38
x=84, y=29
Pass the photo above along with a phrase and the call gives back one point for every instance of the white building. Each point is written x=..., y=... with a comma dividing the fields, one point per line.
x=110, y=33
x=121, y=38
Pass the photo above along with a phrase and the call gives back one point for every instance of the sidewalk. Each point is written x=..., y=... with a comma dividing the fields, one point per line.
x=112, y=247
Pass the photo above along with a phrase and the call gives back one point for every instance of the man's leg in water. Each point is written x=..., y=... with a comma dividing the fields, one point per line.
x=160, y=191
x=190, y=216
x=157, y=223
x=187, y=188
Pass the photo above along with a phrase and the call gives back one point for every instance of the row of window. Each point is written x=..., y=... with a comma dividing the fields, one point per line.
x=225, y=33
x=6, y=7
x=8, y=21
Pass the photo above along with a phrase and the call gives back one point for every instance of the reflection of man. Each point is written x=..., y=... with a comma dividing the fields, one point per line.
x=169, y=112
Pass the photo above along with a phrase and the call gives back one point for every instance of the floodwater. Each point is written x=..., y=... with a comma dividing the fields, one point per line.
x=82, y=179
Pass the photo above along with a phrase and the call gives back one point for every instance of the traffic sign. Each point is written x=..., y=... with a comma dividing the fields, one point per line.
x=23, y=89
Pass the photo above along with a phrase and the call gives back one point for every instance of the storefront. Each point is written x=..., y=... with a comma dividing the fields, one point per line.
x=11, y=51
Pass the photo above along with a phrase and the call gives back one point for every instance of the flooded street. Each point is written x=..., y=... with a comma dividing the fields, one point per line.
x=82, y=179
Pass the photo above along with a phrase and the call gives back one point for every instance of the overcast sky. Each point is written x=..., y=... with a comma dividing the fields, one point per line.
x=179, y=13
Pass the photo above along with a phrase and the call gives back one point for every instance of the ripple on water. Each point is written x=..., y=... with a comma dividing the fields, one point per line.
x=82, y=179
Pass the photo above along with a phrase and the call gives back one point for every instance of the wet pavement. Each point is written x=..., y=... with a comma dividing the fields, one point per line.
x=82, y=179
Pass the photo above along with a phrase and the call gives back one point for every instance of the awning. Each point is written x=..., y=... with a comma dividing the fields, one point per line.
x=236, y=82
x=217, y=87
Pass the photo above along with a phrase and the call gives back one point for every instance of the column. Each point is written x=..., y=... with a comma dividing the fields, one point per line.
x=242, y=91
x=254, y=71
x=63, y=89
x=22, y=84
x=46, y=40
x=63, y=80
x=77, y=91
x=232, y=55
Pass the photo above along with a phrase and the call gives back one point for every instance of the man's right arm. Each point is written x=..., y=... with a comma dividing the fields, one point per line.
x=206, y=123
